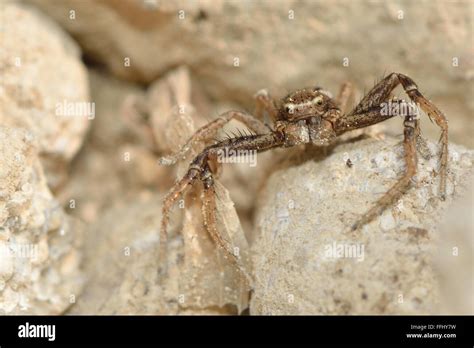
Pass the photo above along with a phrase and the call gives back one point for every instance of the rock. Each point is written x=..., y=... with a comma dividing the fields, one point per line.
x=131, y=130
x=235, y=49
x=455, y=259
x=44, y=86
x=306, y=260
x=100, y=175
x=39, y=244
x=122, y=261
x=120, y=155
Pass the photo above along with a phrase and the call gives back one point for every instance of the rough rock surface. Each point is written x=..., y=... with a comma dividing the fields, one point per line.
x=122, y=261
x=306, y=260
x=235, y=48
x=100, y=176
x=39, y=244
x=455, y=260
x=44, y=86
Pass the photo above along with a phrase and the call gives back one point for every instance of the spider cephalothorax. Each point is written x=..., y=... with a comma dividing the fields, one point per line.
x=307, y=116
x=306, y=102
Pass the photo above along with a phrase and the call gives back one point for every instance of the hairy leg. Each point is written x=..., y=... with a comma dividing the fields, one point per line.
x=403, y=184
x=210, y=130
x=209, y=210
x=438, y=117
x=265, y=104
x=343, y=99
x=421, y=144
x=367, y=113
x=200, y=169
x=177, y=190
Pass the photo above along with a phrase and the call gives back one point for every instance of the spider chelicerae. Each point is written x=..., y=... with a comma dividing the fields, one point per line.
x=306, y=116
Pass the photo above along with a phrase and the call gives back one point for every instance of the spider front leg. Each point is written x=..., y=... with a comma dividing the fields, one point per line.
x=434, y=114
x=203, y=134
x=265, y=104
x=209, y=210
x=170, y=199
x=368, y=112
x=346, y=94
x=200, y=170
x=403, y=184
x=209, y=131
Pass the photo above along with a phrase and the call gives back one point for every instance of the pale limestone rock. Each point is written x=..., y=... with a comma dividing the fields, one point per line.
x=306, y=260
x=44, y=86
x=100, y=176
x=455, y=260
x=235, y=48
x=39, y=244
x=122, y=261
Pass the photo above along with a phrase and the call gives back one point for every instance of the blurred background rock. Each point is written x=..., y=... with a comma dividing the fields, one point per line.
x=234, y=48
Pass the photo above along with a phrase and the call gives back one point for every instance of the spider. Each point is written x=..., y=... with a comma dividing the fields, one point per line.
x=306, y=116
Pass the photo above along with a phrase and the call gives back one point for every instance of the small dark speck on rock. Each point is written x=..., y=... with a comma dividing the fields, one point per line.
x=201, y=16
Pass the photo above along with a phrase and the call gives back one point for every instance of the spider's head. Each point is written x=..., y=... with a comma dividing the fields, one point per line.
x=306, y=116
x=306, y=103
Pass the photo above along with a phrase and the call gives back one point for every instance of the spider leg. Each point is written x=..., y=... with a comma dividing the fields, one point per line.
x=434, y=114
x=346, y=93
x=209, y=131
x=367, y=113
x=209, y=209
x=176, y=191
x=200, y=169
x=403, y=184
x=421, y=144
x=264, y=103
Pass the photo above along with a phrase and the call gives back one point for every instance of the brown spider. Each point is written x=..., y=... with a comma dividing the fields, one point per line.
x=306, y=116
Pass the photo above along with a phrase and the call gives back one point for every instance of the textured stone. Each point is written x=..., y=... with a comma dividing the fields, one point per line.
x=235, y=48
x=39, y=244
x=123, y=263
x=44, y=85
x=100, y=175
x=306, y=260
x=455, y=260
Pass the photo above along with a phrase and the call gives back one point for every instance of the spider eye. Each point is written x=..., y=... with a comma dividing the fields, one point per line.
x=318, y=100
